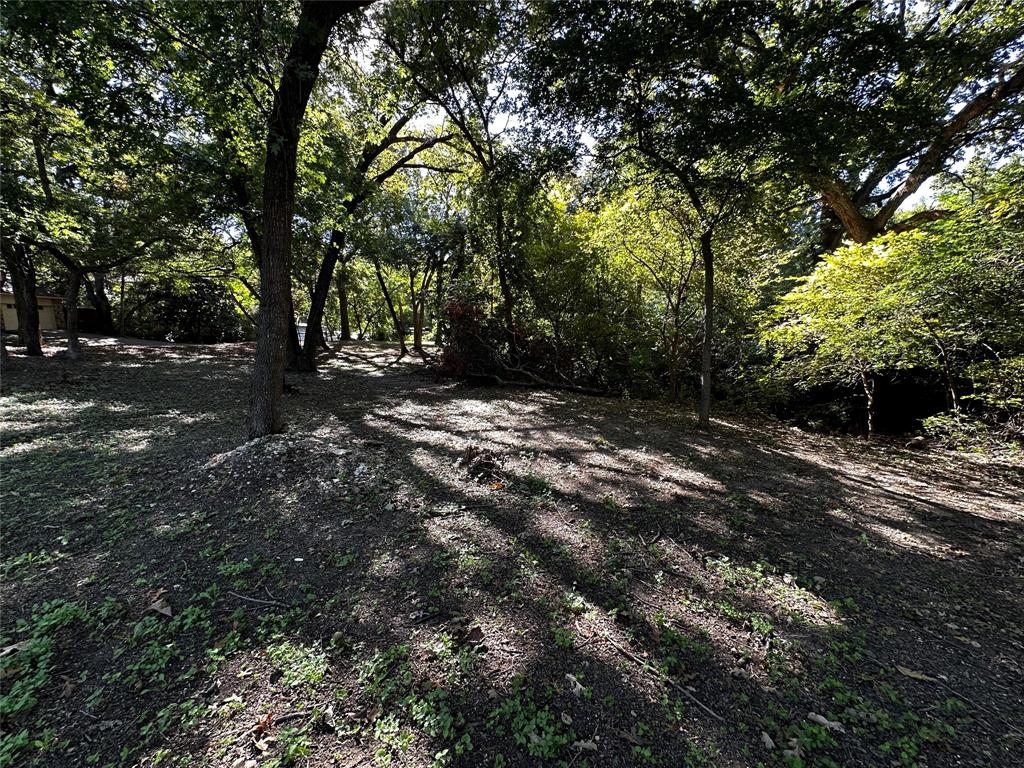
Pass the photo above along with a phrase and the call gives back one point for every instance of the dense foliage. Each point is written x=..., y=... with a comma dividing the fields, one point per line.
x=790, y=206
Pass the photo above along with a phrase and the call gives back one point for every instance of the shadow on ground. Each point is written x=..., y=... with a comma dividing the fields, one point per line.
x=423, y=572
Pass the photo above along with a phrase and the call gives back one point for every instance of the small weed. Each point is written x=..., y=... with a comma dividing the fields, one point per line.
x=534, y=485
x=409, y=710
x=530, y=726
x=28, y=671
x=339, y=560
x=299, y=664
x=564, y=637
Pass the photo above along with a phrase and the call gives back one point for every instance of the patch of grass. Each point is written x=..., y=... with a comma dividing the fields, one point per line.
x=761, y=623
x=299, y=664
x=27, y=671
x=677, y=647
x=533, y=727
x=457, y=662
x=564, y=637
x=21, y=565
x=409, y=712
x=340, y=560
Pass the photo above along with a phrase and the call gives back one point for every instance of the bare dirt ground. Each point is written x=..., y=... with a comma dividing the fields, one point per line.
x=423, y=572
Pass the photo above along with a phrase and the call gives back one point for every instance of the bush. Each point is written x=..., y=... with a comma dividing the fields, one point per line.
x=961, y=431
x=999, y=394
x=199, y=311
x=470, y=350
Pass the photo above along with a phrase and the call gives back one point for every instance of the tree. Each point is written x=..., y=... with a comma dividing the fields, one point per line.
x=19, y=263
x=388, y=148
x=869, y=101
x=680, y=102
x=301, y=67
x=944, y=297
x=654, y=229
x=91, y=184
x=460, y=57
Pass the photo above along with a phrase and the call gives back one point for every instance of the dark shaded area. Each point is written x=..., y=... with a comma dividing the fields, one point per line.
x=903, y=400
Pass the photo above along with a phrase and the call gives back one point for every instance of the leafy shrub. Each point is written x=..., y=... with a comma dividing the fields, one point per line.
x=199, y=310
x=965, y=432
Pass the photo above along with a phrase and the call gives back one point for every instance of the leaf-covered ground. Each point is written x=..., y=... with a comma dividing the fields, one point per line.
x=422, y=572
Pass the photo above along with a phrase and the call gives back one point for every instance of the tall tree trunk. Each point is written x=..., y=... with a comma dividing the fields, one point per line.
x=342, y=280
x=439, y=329
x=318, y=300
x=360, y=327
x=74, y=351
x=708, y=256
x=507, y=300
x=418, y=303
x=396, y=318
x=301, y=68
x=19, y=263
x=672, y=345
x=868, y=383
x=96, y=292
x=293, y=350
x=121, y=305
x=417, y=328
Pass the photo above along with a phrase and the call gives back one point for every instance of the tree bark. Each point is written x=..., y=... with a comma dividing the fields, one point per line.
x=708, y=256
x=301, y=68
x=417, y=328
x=96, y=292
x=293, y=352
x=346, y=326
x=868, y=383
x=396, y=318
x=361, y=328
x=121, y=305
x=26, y=301
x=507, y=300
x=74, y=351
x=318, y=300
x=856, y=225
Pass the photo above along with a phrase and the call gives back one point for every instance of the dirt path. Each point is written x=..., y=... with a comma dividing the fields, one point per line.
x=422, y=571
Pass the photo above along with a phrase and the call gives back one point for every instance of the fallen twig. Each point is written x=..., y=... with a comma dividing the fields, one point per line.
x=292, y=716
x=661, y=675
x=258, y=601
x=648, y=543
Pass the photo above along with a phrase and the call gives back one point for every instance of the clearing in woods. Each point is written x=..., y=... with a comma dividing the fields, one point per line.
x=425, y=572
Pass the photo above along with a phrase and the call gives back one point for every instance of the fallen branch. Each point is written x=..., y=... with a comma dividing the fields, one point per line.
x=648, y=543
x=662, y=676
x=958, y=694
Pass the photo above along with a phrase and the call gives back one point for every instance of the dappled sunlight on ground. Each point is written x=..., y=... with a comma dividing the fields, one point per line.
x=418, y=565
